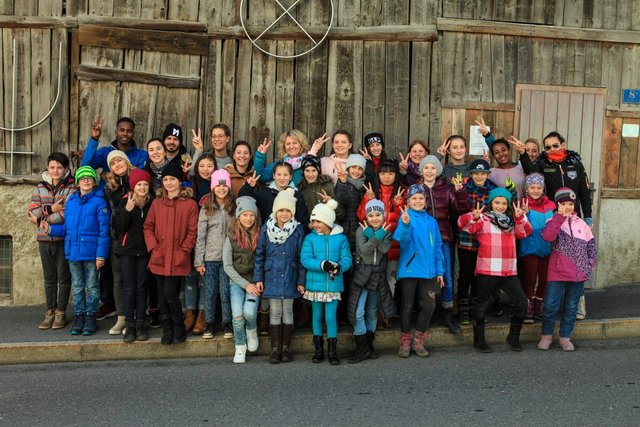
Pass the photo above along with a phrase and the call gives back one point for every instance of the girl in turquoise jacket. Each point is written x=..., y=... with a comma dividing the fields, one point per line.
x=326, y=256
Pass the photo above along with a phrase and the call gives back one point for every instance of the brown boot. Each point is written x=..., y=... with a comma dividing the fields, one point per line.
x=275, y=332
x=263, y=323
x=49, y=318
x=60, y=320
x=198, y=329
x=189, y=320
x=287, y=333
x=417, y=343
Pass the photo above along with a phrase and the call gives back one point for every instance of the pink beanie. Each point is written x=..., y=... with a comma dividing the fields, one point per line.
x=220, y=177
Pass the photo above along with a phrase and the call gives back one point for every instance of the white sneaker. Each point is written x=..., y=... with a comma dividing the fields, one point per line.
x=582, y=309
x=252, y=339
x=118, y=328
x=241, y=354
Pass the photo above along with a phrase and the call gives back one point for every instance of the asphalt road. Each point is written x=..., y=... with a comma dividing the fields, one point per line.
x=597, y=385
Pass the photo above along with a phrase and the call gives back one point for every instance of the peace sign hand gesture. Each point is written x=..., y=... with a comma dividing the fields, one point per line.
x=196, y=140
x=478, y=211
x=365, y=153
x=96, y=127
x=369, y=191
x=484, y=130
x=324, y=197
x=131, y=203
x=363, y=225
x=319, y=142
x=404, y=162
x=405, y=216
x=517, y=143
x=399, y=195
x=442, y=150
x=262, y=148
x=525, y=206
x=386, y=226
x=253, y=179
x=517, y=209
x=342, y=175
x=457, y=181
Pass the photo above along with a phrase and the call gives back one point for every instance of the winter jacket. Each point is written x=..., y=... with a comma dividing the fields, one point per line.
x=573, y=249
x=570, y=173
x=85, y=228
x=128, y=227
x=540, y=211
x=264, y=198
x=44, y=196
x=266, y=171
x=117, y=198
x=236, y=261
x=322, y=247
x=497, y=251
x=170, y=234
x=237, y=178
x=200, y=189
x=278, y=266
x=212, y=230
x=391, y=214
x=442, y=202
x=97, y=157
x=420, y=241
x=328, y=166
x=310, y=194
x=349, y=196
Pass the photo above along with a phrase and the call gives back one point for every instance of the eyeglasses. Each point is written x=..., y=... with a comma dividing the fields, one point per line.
x=549, y=147
x=221, y=136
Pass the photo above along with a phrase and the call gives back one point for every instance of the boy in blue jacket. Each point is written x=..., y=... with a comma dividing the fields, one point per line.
x=86, y=246
x=420, y=267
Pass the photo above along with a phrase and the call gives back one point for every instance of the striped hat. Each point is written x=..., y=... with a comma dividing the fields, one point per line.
x=86, y=172
x=565, y=194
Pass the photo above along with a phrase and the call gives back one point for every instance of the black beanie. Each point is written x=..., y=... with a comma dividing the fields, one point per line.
x=310, y=160
x=373, y=137
x=174, y=169
x=173, y=129
x=388, y=165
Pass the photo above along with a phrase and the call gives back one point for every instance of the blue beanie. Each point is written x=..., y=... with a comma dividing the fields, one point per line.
x=374, y=205
x=415, y=189
x=500, y=192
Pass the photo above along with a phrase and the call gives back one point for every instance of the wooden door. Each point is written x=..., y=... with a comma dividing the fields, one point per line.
x=578, y=114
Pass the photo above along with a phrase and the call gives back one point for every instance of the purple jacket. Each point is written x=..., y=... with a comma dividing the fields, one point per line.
x=442, y=201
x=573, y=249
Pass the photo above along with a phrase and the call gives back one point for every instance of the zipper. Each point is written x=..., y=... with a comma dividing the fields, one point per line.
x=411, y=259
x=326, y=248
x=570, y=228
x=561, y=175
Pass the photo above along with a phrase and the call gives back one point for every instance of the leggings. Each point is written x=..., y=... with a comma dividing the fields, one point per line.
x=169, y=297
x=467, y=274
x=281, y=311
x=427, y=290
x=328, y=310
x=534, y=268
x=510, y=285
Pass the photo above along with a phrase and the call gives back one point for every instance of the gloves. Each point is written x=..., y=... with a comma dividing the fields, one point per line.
x=510, y=184
x=333, y=268
x=368, y=232
x=380, y=234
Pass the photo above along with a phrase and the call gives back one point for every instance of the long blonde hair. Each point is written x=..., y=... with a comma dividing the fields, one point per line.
x=112, y=182
x=298, y=136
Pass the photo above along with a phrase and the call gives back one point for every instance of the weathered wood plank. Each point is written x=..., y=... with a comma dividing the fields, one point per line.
x=15, y=21
x=49, y=8
x=559, y=68
x=486, y=69
x=612, y=73
x=241, y=123
x=510, y=67
x=151, y=21
x=550, y=119
x=420, y=96
x=573, y=14
x=397, y=97
x=60, y=138
x=609, y=193
x=348, y=13
x=593, y=64
x=504, y=122
x=575, y=71
x=374, y=63
x=630, y=78
x=575, y=121
x=611, y=152
x=74, y=94
x=262, y=112
x=5, y=101
x=424, y=12
x=492, y=106
x=86, y=72
x=525, y=114
x=100, y=7
x=623, y=15
x=525, y=60
x=25, y=8
x=22, y=163
x=628, y=159
x=451, y=9
x=42, y=86
x=497, y=65
x=562, y=119
x=543, y=59
x=587, y=135
x=608, y=13
x=76, y=7
x=284, y=90
x=472, y=67
x=227, y=75
x=536, y=117
x=435, y=96
x=396, y=33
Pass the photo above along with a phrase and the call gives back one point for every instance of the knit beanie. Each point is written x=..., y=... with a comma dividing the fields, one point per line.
x=480, y=165
x=565, y=194
x=311, y=161
x=500, y=192
x=173, y=169
x=325, y=213
x=430, y=160
x=137, y=175
x=173, y=129
x=246, y=204
x=285, y=200
x=117, y=153
x=86, y=172
x=534, y=178
x=220, y=177
x=374, y=205
x=372, y=137
x=356, y=160
x=415, y=189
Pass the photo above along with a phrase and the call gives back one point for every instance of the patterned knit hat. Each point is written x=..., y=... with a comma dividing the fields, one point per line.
x=325, y=213
x=433, y=160
x=534, y=178
x=374, y=205
x=415, y=189
x=137, y=175
x=500, y=192
x=246, y=204
x=220, y=177
x=86, y=172
x=311, y=161
x=117, y=153
x=285, y=200
x=565, y=194
x=372, y=137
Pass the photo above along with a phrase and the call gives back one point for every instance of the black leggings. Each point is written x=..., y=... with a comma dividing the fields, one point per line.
x=169, y=297
x=134, y=281
x=427, y=289
x=510, y=285
x=467, y=274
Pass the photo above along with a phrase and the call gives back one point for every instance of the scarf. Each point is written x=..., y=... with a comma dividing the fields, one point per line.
x=414, y=169
x=295, y=162
x=558, y=157
x=502, y=221
x=279, y=235
x=156, y=171
x=357, y=183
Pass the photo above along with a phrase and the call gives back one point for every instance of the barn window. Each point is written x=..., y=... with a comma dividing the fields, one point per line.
x=6, y=255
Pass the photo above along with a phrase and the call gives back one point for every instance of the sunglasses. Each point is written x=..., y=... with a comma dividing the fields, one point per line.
x=549, y=147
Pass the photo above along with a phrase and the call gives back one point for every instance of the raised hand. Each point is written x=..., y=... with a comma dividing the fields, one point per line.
x=58, y=206
x=96, y=127
x=406, y=219
x=485, y=156
x=457, y=181
x=517, y=209
x=324, y=197
x=442, y=150
x=319, y=142
x=252, y=180
x=131, y=203
x=386, y=226
x=368, y=188
x=509, y=183
x=196, y=140
x=525, y=206
x=517, y=143
x=399, y=195
x=342, y=175
x=404, y=162
x=484, y=130
x=264, y=146
x=363, y=225
x=365, y=153
x=478, y=211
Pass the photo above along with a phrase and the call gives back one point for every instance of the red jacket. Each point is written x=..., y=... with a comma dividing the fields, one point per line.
x=392, y=214
x=170, y=234
x=442, y=200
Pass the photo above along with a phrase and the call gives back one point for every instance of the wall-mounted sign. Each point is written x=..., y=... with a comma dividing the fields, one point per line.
x=630, y=130
x=631, y=96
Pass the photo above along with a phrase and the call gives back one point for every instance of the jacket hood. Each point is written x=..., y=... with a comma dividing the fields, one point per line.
x=46, y=177
x=132, y=145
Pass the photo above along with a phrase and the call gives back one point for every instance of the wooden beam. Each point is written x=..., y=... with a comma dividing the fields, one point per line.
x=86, y=72
x=621, y=113
x=488, y=106
x=157, y=41
x=33, y=22
x=143, y=24
x=395, y=33
x=19, y=179
x=615, y=193
x=538, y=31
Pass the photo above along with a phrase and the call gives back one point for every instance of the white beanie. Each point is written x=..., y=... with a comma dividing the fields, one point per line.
x=117, y=153
x=325, y=213
x=356, y=160
x=285, y=200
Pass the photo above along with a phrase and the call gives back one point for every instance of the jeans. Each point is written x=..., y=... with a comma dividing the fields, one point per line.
x=447, y=291
x=281, y=311
x=330, y=312
x=194, y=291
x=134, y=280
x=57, y=277
x=244, y=309
x=556, y=292
x=216, y=282
x=85, y=287
x=487, y=285
x=427, y=290
x=366, y=312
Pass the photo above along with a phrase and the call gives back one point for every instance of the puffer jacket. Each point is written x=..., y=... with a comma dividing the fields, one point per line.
x=310, y=194
x=349, y=197
x=97, y=157
x=573, y=249
x=128, y=227
x=540, y=211
x=44, y=196
x=85, y=228
x=421, y=253
x=170, y=234
x=278, y=266
x=319, y=247
x=443, y=202
x=212, y=230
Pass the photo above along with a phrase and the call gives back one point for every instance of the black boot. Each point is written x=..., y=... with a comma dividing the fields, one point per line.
x=130, y=335
x=318, y=343
x=287, y=333
x=333, y=351
x=141, y=331
x=179, y=333
x=275, y=334
x=465, y=311
x=479, y=342
x=167, y=330
x=78, y=325
x=362, y=349
x=372, y=351
x=453, y=326
x=513, y=339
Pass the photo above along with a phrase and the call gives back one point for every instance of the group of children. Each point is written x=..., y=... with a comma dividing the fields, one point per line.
x=349, y=230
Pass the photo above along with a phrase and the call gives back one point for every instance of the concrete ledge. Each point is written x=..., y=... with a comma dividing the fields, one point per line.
x=386, y=340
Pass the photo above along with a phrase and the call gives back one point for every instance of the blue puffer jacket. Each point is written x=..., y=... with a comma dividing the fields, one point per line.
x=317, y=248
x=278, y=266
x=540, y=212
x=420, y=247
x=86, y=227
